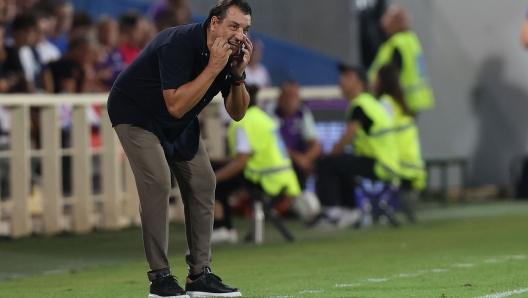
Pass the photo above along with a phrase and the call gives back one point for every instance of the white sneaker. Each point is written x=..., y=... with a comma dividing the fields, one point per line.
x=234, y=236
x=323, y=223
x=223, y=234
x=349, y=218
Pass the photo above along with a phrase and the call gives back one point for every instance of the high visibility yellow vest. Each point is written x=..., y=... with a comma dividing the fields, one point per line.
x=269, y=164
x=414, y=79
x=411, y=164
x=380, y=143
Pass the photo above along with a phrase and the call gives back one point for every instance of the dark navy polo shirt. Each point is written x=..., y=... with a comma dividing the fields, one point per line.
x=173, y=58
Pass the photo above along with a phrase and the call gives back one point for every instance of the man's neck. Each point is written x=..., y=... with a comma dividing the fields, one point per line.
x=397, y=31
x=354, y=95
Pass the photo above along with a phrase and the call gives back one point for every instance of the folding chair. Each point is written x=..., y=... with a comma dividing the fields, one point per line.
x=376, y=198
x=263, y=205
x=403, y=196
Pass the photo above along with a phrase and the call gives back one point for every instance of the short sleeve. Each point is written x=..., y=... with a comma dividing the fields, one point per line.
x=27, y=60
x=397, y=59
x=242, y=145
x=176, y=63
x=309, y=130
x=359, y=115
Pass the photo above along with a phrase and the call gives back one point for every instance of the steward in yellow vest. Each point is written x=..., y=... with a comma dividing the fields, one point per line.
x=369, y=129
x=388, y=90
x=404, y=50
x=258, y=155
x=268, y=163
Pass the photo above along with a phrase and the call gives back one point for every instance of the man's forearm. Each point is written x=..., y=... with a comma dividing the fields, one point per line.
x=237, y=102
x=314, y=150
x=182, y=100
x=231, y=169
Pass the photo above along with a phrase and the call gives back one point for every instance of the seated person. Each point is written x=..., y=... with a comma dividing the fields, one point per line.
x=111, y=62
x=297, y=128
x=370, y=130
x=259, y=157
x=387, y=89
x=131, y=27
x=12, y=78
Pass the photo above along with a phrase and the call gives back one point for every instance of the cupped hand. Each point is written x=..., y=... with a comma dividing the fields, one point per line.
x=241, y=59
x=220, y=52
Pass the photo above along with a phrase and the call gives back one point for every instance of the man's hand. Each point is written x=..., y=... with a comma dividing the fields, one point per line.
x=302, y=162
x=220, y=52
x=241, y=59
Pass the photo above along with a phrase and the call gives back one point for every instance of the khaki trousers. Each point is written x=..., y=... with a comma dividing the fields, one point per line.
x=197, y=182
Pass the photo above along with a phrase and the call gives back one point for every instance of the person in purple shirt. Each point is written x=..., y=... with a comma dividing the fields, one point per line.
x=297, y=127
x=178, y=11
x=111, y=63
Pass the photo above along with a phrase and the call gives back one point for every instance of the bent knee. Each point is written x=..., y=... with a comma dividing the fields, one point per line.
x=207, y=183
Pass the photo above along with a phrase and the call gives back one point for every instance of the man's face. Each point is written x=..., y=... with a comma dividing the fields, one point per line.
x=46, y=25
x=109, y=33
x=289, y=99
x=234, y=27
x=25, y=36
x=349, y=83
x=32, y=36
x=65, y=17
x=395, y=19
x=85, y=53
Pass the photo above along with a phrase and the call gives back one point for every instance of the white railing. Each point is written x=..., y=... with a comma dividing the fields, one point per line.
x=117, y=204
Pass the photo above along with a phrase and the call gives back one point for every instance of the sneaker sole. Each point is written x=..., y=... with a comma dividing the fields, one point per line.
x=156, y=296
x=194, y=294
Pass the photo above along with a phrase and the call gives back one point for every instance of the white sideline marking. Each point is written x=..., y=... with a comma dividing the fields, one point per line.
x=441, y=270
x=505, y=259
x=57, y=271
x=311, y=291
x=347, y=285
x=505, y=294
x=377, y=279
x=518, y=257
x=463, y=265
x=408, y=274
x=491, y=261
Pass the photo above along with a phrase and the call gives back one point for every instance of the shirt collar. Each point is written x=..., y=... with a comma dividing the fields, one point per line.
x=204, y=50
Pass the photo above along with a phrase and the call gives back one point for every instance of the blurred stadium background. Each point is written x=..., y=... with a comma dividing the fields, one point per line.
x=474, y=142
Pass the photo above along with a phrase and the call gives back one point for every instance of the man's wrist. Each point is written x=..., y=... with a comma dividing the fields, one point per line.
x=238, y=80
x=237, y=77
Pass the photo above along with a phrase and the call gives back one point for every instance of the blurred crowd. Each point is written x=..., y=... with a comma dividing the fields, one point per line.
x=49, y=46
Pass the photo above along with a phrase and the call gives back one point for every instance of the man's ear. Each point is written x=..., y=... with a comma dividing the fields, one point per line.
x=214, y=22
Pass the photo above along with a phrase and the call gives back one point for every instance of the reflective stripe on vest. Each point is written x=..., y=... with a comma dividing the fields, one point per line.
x=268, y=171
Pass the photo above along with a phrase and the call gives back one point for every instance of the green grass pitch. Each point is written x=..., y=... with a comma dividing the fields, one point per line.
x=457, y=251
